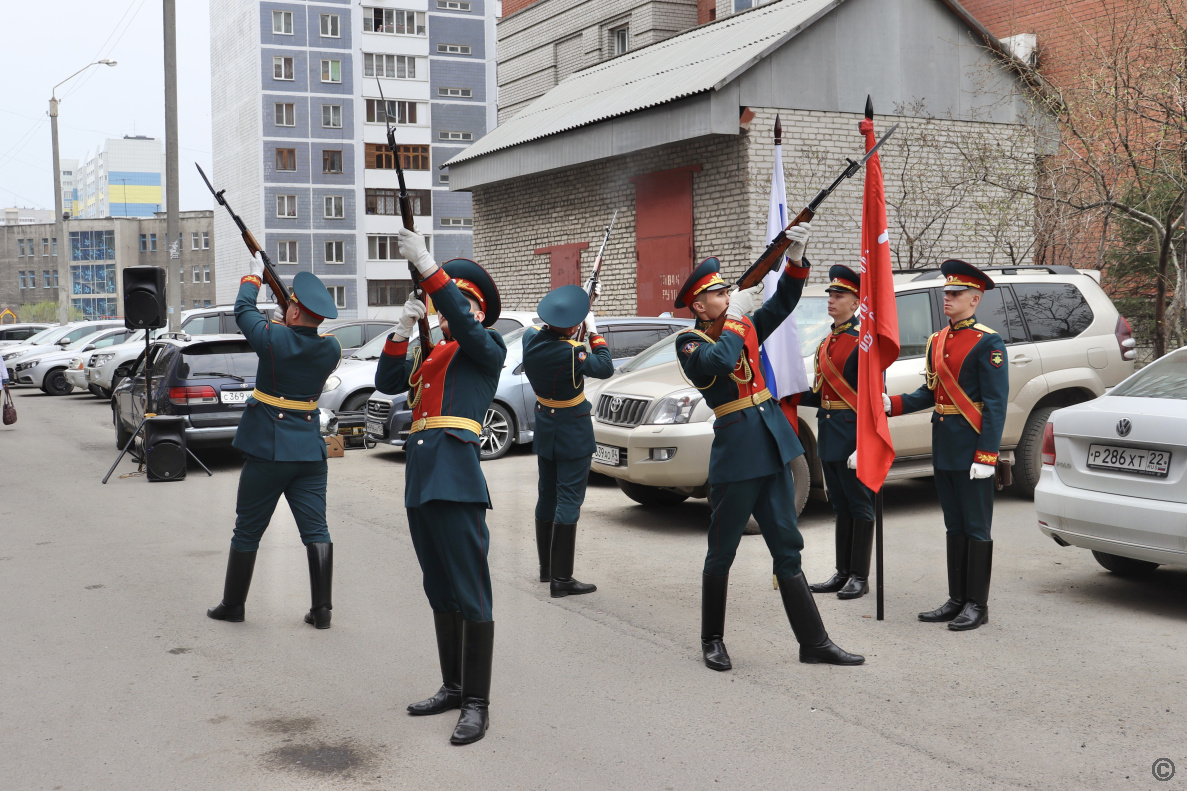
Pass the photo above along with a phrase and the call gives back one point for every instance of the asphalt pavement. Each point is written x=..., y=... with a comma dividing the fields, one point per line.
x=112, y=676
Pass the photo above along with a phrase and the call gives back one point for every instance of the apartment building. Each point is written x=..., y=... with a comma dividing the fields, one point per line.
x=300, y=133
x=122, y=177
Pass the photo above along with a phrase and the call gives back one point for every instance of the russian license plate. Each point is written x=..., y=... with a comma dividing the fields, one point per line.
x=607, y=454
x=234, y=396
x=374, y=427
x=1137, y=460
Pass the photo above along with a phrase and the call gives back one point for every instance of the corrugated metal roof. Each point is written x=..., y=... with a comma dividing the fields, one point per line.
x=700, y=59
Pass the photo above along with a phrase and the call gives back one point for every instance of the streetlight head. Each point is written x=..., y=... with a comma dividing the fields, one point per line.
x=108, y=62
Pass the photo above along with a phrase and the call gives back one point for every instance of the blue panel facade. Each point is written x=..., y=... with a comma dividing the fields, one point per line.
x=457, y=74
x=300, y=81
x=454, y=30
x=301, y=221
x=304, y=263
x=316, y=115
x=270, y=39
x=349, y=210
x=300, y=127
x=447, y=246
x=320, y=176
x=458, y=118
x=346, y=72
x=320, y=267
x=316, y=39
x=450, y=204
x=300, y=175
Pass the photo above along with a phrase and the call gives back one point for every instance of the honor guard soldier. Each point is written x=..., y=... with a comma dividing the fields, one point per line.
x=557, y=365
x=280, y=437
x=834, y=394
x=753, y=444
x=444, y=491
x=968, y=385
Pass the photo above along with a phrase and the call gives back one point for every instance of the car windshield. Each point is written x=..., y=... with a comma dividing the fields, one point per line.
x=1166, y=378
x=514, y=341
x=41, y=337
x=655, y=354
x=224, y=359
x=371, y=349
x=813, y=322
x=83, y=341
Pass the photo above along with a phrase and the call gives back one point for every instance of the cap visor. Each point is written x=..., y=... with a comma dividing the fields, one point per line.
x=957, y=288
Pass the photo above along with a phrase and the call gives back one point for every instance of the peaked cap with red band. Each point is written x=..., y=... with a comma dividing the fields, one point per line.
x=473, y=281
x=842, y=278
x=959, y=275
x=706, y=277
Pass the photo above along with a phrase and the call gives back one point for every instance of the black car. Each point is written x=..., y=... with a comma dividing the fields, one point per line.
x=206, y=380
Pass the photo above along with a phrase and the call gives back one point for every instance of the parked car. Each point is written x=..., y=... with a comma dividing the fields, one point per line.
x=353, y=334
x=1066, y=344
x=353, y=382
x=512, y=320
x=219, y=320
x=205, y=379
x=53, y=339
x=47, y=371
x=13, y=334
x=100, y=367
x=1114, y=478
x=511, y=418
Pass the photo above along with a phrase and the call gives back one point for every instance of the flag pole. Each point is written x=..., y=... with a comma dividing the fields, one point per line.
x=878, y=550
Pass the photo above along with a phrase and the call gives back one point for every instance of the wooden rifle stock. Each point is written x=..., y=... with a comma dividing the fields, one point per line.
x=271, y=277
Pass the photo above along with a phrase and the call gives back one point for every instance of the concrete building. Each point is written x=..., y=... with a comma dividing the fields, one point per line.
x=23, y=216
x=123, y=177
x=677, y=136
x=300, y=133
x=99, y=250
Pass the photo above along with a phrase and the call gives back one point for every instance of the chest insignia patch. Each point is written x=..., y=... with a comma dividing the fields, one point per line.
x=690, y=347
x=996, y=359
x=580, y=357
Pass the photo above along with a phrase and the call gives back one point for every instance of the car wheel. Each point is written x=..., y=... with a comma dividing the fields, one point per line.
x=1123, y=566
x=649, y=495
x=122, y=435
x=497, y=428
x=1028, y=456
x=356, y=403
x=56, y=384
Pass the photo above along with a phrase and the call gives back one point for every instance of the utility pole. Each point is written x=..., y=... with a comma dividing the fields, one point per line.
x=63, y=260
x=172, y=191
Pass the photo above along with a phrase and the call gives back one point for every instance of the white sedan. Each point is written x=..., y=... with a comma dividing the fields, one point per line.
x=1114, y=476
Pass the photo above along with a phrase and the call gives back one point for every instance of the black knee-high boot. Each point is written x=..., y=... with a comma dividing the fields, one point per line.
x=240, y=566
x=544, y=549
x=859, y=565
x=976, y=608
x=321, y=577
x=564, y=547
x=713, y=595
x=844, y=539
x=958, y=550
x=478, y=643
x=815, y=647
x=449, y=652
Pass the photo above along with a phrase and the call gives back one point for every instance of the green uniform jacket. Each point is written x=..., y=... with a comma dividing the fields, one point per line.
x=557, y=366
x=458, y=379
x=294, y=364
x=752, y=442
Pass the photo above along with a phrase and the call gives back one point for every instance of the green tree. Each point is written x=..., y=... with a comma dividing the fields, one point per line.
x=45, y=312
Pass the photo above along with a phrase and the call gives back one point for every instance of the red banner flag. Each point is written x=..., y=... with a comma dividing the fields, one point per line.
x=878, y=343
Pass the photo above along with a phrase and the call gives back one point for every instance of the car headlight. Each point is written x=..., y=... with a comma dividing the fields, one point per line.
x=676, y=408
x=101, y=359
x=331, y=384
x=25, y=366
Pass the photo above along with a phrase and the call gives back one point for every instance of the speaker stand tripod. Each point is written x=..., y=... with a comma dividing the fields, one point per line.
x=148, y=414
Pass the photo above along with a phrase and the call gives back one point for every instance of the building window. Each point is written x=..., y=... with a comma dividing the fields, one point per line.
x=333, y=207
x=331, y=116
x=456, y=135
x=197, y=303
x=53, y=243
x=401, y=67
x=453, y=49
x=384, y=293
x=286, y=205
x=335, y=252
x=286, y=159
x=282, y=23
x=206, y=274
x=383, y=248
x=400, y=112
x=331, y=161
x=411, y=157
x=387, y=20
x=152, y=242
x=452, y=5
x=22, y=272
x=282, y=68
x=205, y=303
x=286, y=253
x=339, y=295
x=285, y=114
x=45, y=247
x=443, y=179
x=90, y=246
x=197, y=274
x=330, y=26
x=194, y=240
x=331, y=71
x=206, y=240
x=45, y=276
x=20, y=248
x=621, y=38
x=456, y=222
x=55, y=278
x=384, y=202
x=144, y=243
x=456, y=93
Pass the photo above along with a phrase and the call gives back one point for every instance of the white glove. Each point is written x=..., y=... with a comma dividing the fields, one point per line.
x=597, y=290
x=414, y=311
x=799, y=241
x=852, y=463
x=591, y=325
x=745, y=301
x=979, y=471
x=412, y=247
x=257, y=267
x=886, y=405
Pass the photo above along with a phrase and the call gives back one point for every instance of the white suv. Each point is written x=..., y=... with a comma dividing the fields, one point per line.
x=1066, y=343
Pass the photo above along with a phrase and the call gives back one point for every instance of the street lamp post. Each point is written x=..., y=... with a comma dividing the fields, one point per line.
x=59, y=227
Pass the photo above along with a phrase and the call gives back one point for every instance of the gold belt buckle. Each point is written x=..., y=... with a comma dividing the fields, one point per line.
x=417, y=425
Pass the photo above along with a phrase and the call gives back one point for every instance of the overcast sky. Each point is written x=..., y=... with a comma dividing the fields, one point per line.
x=48, y=40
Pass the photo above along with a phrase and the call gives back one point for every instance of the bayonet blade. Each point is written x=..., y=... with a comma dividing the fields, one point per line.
x=878, y=145
x=209, y=186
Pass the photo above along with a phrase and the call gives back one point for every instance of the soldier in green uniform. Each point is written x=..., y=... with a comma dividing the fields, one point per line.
x=753, y=444
x=280, y=437
x=444, y=490
x=834, y=394
x=557, y=365
x=968, y=386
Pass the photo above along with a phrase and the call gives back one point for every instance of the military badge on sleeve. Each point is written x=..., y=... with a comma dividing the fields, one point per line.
x=690, y=347
x=580, y=357
x=996, y=358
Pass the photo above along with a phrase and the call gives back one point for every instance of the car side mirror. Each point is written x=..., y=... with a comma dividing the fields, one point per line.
x=89, y=347
x=123, y=371
x=64, y=342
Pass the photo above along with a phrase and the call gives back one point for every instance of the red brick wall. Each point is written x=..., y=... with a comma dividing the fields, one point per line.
x=706, y=11
x=511, y=6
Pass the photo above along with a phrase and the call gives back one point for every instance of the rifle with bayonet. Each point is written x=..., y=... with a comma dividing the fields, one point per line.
x=280, y=292
x=405, y=202
x=595, y=275
x=774, y=254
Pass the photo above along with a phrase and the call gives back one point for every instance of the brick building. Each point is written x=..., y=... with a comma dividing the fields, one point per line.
x=677, y=136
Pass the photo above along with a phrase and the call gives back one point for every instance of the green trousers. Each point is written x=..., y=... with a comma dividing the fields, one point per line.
x=561, y=489
x=451, y=541
x=772, y=501
x=967, y=504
